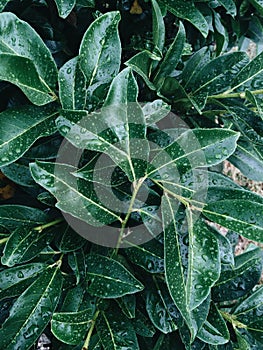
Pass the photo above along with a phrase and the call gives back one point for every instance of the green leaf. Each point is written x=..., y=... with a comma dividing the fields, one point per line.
x=158, y=27
x=29, y=123
x=78, y=299
x=248, y=158
x=74, y=196
x=143, y=326
x=149, y=256
x=241, y=216
x=188, y=11
x=77, y=262
x=71, y=327
x=238, y=281
x=115, y=136
x=18, y=38
x=32, y=311
x=13, y=216
x=171, y=58
x=65, y=7
x=230, y=6
x=100, y=50
x=24, y=244
x=214, y=330
x=155, y=111
x=72, y=85
x=250, y=75
x=190, y=291
x=116, y=331
x=127, y=304
x=19, y=174
x=258, y=4
x=141, y=63
x=3, y=4
x=15, y=280
x=110, y=279
x=161, y=309
x=21, y=71
x=68, y=240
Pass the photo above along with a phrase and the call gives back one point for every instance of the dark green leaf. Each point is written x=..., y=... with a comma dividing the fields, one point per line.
x=230, y=6
x=18, y=38
x=127, y=304
x=100, y=50
x=21, y=71
x=71, y=327
x=214, y=330
x=171, y=58
x=14, y=216
x=68, y=240
x=162, y=310
x=75, y=196
x=158, y=27
x=19, y=174
x=15, y=280
x=142, y=325
x=29, y=123
x=243, y=216
x=188, y=11
x=65, y=7
x=24, y=244
x=110, y=279
x=32, y=311
x=72, y=85
x=77, y=263
x=116, y=331
x=155, y=111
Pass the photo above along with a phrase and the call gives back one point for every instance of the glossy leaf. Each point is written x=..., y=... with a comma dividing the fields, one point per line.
x=19, y=174
x=162, y=310
x=127, y=304
x=158, y=27
x=100, y=50
x=21, y=71
x=110, y=279
x=116, y=331
x=24, y=244
x=242, y=216
x=113, y=136
x=230, y=6
x=3, y=4
x=15, y=280
x=32, y=311
x=234, y=282
x=67, y=239
x=65, y=7
x=143, y=326
x=29, y=123
x=72, y=85
x=189, y=291
x=149, y=256
x=78, y=264
x=19, y=38
x=141, y=63
x=71, y=327
x=248, y=158
x=171, y=58
x=155, y=111
x=214, y=330
x=13, y=216
x=189, y=12
x=76, y=197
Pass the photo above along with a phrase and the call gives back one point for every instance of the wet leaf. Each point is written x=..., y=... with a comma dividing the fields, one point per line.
x=72, y=85
x=29, y=123
x=13, y=216
x=32, y=311
x=116, y=331
x=109, y=279
x=15, y=280
x=71, y=327
x=127, y=304
x=242, y=216
x=24, y=244
x=65, y=7
x=155, y=111
x=100, y=50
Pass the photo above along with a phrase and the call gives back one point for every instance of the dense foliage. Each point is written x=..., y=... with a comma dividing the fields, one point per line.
x=115, y=120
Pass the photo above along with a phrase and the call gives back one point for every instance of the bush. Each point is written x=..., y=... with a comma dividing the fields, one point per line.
x=115, y=120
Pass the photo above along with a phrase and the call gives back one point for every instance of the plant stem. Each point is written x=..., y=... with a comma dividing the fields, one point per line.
x=130, y=209
x=49, y=224
x=87, y=341
x=235, y=94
